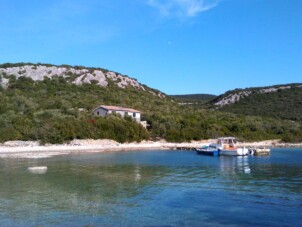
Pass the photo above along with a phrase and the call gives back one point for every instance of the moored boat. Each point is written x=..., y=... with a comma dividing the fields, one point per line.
x=211, y=150
x=229, y=146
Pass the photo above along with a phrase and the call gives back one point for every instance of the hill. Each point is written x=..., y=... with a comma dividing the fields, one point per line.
x=194, y=98
x=279, y=101
x=54, y=104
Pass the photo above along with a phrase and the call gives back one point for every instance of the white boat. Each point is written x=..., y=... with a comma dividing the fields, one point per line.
x=229, y=146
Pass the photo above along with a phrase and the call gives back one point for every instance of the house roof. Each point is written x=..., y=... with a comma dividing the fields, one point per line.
x=118, y=108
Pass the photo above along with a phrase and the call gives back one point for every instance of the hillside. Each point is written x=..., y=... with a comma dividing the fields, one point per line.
x=279, y=101
x=77, y=75
x=54, y=103
x=194, y=98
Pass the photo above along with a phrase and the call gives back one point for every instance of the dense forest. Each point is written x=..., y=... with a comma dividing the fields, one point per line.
x=55, y=110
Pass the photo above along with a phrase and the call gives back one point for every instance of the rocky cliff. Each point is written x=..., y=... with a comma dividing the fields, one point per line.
x=76, y=75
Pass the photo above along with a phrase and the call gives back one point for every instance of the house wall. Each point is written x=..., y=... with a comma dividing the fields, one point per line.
x=135, y=116
x=102, y=112
x=122, y=113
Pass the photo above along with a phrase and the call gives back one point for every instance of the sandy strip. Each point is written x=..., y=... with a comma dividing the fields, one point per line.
x=20, y=149
x=32, y=150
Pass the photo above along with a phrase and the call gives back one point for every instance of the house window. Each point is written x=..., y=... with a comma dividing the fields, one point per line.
x=134, y=114
x=98, y=113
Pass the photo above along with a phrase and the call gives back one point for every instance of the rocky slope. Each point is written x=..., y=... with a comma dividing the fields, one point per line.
x=76, y=75
x=237, y=95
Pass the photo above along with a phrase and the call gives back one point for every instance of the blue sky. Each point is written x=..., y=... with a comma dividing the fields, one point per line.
x=176, y=46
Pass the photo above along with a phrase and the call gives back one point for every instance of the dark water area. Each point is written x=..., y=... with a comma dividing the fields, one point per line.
x=153, y=188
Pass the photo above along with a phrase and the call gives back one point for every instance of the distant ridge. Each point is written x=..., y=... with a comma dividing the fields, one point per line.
x=200, y=98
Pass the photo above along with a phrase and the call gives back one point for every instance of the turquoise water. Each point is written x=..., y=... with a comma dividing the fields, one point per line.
x=166, y=188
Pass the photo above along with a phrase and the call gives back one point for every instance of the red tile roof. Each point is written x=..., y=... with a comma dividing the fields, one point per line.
x=118, y=108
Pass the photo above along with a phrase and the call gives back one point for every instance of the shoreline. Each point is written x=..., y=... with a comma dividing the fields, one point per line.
x=28, y=149
x=33, y=150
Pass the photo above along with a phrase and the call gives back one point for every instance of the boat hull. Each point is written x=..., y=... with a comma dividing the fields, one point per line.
x=234, y=152
x=207, y=152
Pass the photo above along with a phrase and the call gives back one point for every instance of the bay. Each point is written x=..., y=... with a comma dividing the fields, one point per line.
x=156, y=188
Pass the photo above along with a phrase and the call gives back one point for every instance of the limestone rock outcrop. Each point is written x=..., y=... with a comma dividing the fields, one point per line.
x=77, y=76
x=236, y=96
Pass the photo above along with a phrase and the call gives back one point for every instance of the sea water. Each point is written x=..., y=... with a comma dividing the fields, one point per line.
x=153, y=188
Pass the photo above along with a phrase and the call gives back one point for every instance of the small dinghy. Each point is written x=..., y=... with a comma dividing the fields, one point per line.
x=38, y=169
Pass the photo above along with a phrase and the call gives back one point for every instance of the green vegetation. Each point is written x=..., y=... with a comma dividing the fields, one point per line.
x=194, y=98
x=54, y=110
x=282, y=104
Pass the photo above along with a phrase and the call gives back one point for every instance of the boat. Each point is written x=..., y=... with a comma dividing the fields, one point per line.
x=229, y=146
x=211, y=150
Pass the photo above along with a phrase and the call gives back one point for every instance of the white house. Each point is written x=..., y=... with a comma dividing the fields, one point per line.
x=123, y=111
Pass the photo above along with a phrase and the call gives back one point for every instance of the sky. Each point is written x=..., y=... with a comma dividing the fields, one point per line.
x=175, y=46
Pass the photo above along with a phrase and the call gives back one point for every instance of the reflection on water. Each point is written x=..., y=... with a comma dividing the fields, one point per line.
x=137, y=173
x=153, y=188
x=235, y=165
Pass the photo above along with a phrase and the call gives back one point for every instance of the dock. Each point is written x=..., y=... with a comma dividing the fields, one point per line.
x=260, y=151
x=185, y=148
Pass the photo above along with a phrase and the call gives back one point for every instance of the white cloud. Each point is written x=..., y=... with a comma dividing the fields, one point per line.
x=182, y=8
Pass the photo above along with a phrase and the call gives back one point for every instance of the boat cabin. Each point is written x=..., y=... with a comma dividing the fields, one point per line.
x=227, y=142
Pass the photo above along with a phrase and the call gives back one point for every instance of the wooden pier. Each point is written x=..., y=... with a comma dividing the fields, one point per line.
x=185, y=148
x=260, y=151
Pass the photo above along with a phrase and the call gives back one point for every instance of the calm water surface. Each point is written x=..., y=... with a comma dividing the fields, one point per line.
x=154, y=188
